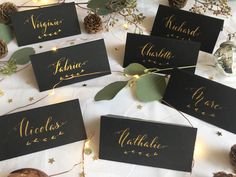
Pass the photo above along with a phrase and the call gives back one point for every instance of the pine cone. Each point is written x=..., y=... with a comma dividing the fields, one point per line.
x=28, y=172
x=177, y=3
x=232, y=156
x=93, y=23
x=3, y=49
x=6, y=10
x=223, y=174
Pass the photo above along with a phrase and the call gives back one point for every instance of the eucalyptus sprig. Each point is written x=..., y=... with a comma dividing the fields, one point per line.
x=19, y=57
x=111, y=10
x=147, y=84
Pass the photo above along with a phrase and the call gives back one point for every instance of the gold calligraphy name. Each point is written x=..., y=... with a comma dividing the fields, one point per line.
x=144, y=141
x=148, y=50
x=200, y=99
x=37, y=24
x=64, y=65
x=26, y=129
x=170, y=23
x=202, y=104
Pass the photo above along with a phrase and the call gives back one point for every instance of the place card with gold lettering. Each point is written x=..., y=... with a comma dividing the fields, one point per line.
x=161, y=53
x=43, y=24
x=202, y=98
x=40, y=129
x=70, y=65
x=184, y=25
x=141, y=142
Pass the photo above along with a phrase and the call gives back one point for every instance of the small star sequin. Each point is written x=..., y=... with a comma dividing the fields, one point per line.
x=31, y=99
x=10, y=100
x=51, y=160
x=1, y=93
x=219, y=133
x=139, y=107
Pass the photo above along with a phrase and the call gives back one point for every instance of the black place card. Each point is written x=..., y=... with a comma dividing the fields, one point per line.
x=146, y=143
x=40, y=129
x=70, y=65
x=184, y=25
x=162, y=53
x=205, y=99
x=45, y=24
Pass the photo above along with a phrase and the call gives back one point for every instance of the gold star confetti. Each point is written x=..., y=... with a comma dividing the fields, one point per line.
x=10, y=100
x=51, y=160
x=82, y=174
x=1, y=93
x=219, y=133
x=126, y=26
x=139, y=107
x=31, y=99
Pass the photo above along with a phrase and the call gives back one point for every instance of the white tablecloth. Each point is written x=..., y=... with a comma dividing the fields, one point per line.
x=211, y=151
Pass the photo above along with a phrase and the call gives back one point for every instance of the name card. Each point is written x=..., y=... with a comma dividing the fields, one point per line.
x=70, y=65
x=45, y=24
x=202, y=98
x=147, y=143
x=41, y=128
x=162, y=53
x=184, y=25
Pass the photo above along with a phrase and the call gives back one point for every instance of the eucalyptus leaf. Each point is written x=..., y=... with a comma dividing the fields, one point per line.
x=5, y=33
x=134, y=69
x=99, y=6
x=150, y=87
x=110, y=91
x=22, y=56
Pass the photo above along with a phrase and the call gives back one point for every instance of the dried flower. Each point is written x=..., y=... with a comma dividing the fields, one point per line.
x=8, y=68
x=126, y=9
x=217, y=7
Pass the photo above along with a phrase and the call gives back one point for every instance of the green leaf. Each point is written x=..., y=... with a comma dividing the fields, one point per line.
x=150, y=87
x=110, y=91
x=134, y=69
x=5, y=33
x=99, y=6
x=22, y=56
